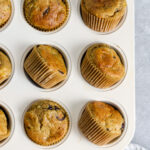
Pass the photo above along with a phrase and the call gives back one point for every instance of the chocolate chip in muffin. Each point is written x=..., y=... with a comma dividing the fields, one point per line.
x=46, y=11
x=57, y=108
x=61, y=119
x=50, y=107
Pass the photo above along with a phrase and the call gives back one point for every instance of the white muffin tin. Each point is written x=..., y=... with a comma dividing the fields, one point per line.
x=75, y=93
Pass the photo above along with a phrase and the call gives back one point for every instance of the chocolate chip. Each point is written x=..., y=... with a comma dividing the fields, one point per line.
x=60, y=71
x=61, y=119
x=50, y=107
x=114, y=57
x=56, y=108
x=123, y=125
x=107, y=129
x=46, y=11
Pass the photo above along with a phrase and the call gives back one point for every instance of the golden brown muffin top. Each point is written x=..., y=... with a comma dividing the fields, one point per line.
x=5, y=67
x=5, y=11
x=106, y=116
x=4, y=131
x=105, y=8
x=107, y=60
x=46, y=122
x=45, y=14
x=52, y=57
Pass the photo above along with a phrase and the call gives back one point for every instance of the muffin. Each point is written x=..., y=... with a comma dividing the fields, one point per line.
x=103, y=15
x=45, y=66
x=46, y=122
x=46, y=15
x=4, y=131
x=5, y=67
x=101, y=123
x=101, y=66
x=5, y=11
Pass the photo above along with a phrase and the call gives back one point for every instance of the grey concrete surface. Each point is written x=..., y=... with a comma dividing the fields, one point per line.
x=142, y=26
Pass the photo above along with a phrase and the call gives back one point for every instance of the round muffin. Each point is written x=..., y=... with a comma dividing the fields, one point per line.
x=45, y=66
x=101, y=123
x=103, y=15
x=5, y=67
x=5, y=11
x=46, y=15
x=4, y=131
x=46, y=122
x=101, y=66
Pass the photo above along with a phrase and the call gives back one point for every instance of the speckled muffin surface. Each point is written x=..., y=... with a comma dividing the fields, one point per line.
x=4, y=131
x=46, y=66
x=5, y=67
x=5, y=11
x=105, y=8
x=45, y=15
x=46, y=122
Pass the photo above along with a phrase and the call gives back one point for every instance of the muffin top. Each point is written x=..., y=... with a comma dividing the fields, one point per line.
x=105, y=8
x=106, y=60
x=4, y=131
x=5, y=11
x=46, y=122
x=52, y=57
x=45, y=14
x=5, y=67
x=106, y=116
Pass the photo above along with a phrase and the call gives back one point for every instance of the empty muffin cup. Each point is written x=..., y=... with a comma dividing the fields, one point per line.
x=47, y=123
x=6, y=14
x=7, y=66
x=47, y=66
x=7, y=123
x=48, y=18
x=103, y=123
x=99, y=20
x=103, y=65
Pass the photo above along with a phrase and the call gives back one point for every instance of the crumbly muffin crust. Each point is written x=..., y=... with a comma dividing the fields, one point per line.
x=106, y=116
x=5, y=67
x=46, y=122
x=45, y=14
x=4, y=131
x=105, y=8
x=5, y=11
x=106, y=60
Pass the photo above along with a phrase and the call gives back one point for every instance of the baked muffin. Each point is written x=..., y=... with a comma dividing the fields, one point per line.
x=101, y=66
x=4, y=131
x=103, y=15
x=46, y=122
x=5, y=67
x=101, y=123
x=45, y=66
x=46, y=15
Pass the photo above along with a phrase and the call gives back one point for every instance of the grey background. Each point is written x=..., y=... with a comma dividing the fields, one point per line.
x=142, y=51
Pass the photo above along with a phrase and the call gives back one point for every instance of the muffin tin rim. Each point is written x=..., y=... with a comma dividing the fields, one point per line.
x=69, y=129
x=30, y=27
x=67, y=60
x=11, y=17
x=121, y=23
x=121, y=54
x=10, y=113
x=11, y=58
x=123, y=112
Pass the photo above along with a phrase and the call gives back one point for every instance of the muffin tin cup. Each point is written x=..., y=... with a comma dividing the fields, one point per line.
x=92, y=130
x=45, y=31
x=9, y=55
x=10, y=116
x=101, y=79
x=66, y=59
x=101, y=25
x=5, y=25
x=57, y=144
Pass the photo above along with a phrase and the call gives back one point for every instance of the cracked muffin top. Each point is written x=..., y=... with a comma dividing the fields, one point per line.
x=106, y=116
x=45, y=14
x=106, y=60
x=105, y=8
x=46, y=122
x=4, y=131
x=5, y=11
x=5, y=67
